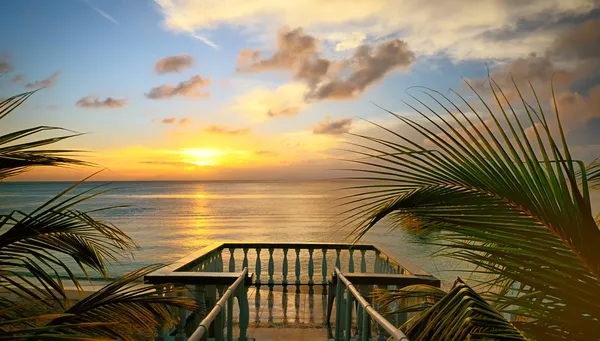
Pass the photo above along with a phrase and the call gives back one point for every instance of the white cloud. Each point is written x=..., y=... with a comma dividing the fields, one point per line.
x=456, y=27
x=262, y=103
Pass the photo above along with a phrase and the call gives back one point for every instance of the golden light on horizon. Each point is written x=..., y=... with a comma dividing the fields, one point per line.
x=202, y=157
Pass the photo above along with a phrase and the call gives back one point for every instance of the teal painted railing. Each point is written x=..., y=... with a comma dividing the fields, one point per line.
x=215, y=293
x=212, y=277
x=294, y=263
x=346, y=295
x=222, y=314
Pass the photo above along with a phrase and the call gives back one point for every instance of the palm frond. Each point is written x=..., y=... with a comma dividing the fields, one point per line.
x=497, y=190
x=17, y=156
x=126, y=304
x=593, y=174
x=461, y=315
x=36, y=243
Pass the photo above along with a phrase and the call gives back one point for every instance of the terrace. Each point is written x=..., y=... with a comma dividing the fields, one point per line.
x=288, y=291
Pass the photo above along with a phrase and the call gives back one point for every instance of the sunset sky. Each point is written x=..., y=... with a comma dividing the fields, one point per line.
x=267, y=89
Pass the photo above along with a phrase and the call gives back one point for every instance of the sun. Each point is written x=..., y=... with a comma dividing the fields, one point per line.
x=201, y=157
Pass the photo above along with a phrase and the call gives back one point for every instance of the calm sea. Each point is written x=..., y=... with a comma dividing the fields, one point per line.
x=172, y=219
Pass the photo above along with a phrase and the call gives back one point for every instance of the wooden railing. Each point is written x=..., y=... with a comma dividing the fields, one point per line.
x=346, y=294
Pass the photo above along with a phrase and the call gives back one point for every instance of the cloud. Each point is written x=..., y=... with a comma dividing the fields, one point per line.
x=576, y=110
x=461, y=29
x=329, y=79
x=348, y=41
x=94, y=102
x=336, y=127
x=177, y=63
x=368, y=66
x=265, y=153
x=223, y=130
x=293, y=46
x=586, y=135
x=45, y=83
x=18, y=79
x=169, y=163
x=263, y=104
x=189, y=88
x=173, y=120
x=5, y=66
x=573, y=57
x=580, y=43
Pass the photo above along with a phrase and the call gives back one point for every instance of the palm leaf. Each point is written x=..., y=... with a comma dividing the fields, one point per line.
x=126, y=304
x=462, y=314
x=515, y=205
x=17, y=156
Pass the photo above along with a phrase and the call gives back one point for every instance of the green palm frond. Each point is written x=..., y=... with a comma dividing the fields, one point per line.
x=115, y=312
x=509, y=201
x=593, y=173
x=409, y=299
x=36, y=243
x=462, y=314
x=17, y=156
x=126, y=304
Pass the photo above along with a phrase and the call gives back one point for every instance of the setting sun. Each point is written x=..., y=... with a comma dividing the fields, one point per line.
x=202, y=157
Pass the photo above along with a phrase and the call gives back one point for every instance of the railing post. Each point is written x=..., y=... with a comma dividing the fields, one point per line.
x=257, y=267
x=324, y=267
x=351, y=261
x=337, y=259
x=284, y=270
x=219, y=261
x=218, y=326
x=363, y=261
x=339, y=299
x=231, y=260
x=180, y=335
x=245, y=262
x=311, y=267
x=388, y=266
x=230, y=318
x=348, y=318
x=364, y=291
x=244, y=311
x=271, y=268
x=366, y=327
x=162, y=332
x=297, y=266
x=359, y=314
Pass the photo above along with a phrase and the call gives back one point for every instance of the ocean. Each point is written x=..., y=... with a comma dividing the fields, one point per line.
x=169, y=220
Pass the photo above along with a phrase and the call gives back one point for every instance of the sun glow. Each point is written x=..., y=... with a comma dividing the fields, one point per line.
x=202, y=157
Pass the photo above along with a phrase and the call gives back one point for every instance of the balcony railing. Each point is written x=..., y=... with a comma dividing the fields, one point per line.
x=346, y=294
x=221, y=272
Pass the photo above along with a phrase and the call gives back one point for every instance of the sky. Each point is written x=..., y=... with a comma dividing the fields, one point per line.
x=269, y=89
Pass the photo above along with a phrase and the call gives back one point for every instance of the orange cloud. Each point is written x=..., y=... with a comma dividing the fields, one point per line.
x=174, y=64
x=94, y=102
x=45, y=83
x=189, y=88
